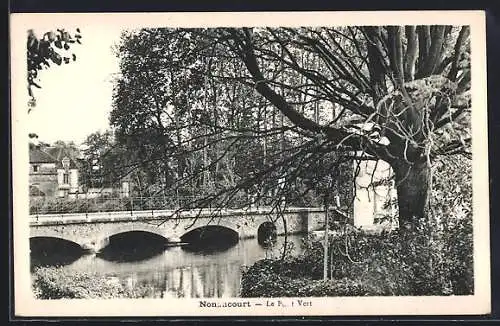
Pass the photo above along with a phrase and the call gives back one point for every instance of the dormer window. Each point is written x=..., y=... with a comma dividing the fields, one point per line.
x=65, y=178
x=65, y=163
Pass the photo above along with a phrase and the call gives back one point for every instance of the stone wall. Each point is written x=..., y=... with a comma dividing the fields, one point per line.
x=46, y=182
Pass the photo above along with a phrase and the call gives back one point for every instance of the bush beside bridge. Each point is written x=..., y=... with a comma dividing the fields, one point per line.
x=371, y=265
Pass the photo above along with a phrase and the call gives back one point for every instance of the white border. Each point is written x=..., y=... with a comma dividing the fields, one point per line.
x=25, y=305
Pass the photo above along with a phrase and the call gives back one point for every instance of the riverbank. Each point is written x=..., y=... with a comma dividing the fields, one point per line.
x=360, y=265
x=175, y=272
x=370, y=265
x=57, y=283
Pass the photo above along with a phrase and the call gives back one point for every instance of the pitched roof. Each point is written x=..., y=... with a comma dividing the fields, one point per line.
x=56, y=152
x=39, y=156
x=59, y=153
x=51, y=155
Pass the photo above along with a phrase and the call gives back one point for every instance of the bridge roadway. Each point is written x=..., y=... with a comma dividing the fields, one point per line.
x=92, y=231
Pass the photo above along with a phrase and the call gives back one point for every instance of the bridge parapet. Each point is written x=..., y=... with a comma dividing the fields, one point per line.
x=156, y=214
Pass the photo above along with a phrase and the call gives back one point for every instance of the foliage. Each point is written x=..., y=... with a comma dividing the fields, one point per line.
x=262, y=280
x=451, y=211
x=185, y=130
x=53, y=47
x=451, y=187
x=56, y=205
x=98, y=167
x=56, y=283
x=108, y=203
x=434, y=259
x=271, y=114
x=365, y=264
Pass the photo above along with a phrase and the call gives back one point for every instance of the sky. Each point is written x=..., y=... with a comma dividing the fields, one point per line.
x=75, y=99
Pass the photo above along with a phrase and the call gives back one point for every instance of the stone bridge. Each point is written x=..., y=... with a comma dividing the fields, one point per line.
x=92, y=231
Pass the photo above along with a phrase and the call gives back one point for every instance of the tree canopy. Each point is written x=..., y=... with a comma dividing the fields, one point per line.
x=273, y=114
x=52, y=47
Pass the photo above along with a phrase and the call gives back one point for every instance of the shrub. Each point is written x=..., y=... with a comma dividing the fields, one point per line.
x=80, y=205
x=110, y=205
x=263, y=280
x=367, y=268
x=56, y=283
x=451, y=210
x=434, y=262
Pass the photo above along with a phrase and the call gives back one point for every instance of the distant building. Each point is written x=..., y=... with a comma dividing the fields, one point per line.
x=117, y=191
x=375, y=193
x=53, y=173
x=42, y=174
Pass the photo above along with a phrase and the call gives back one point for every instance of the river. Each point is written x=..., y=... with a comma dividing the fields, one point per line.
x=174, y=272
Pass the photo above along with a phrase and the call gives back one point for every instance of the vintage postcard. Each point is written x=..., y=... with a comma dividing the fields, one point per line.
x=250, y=164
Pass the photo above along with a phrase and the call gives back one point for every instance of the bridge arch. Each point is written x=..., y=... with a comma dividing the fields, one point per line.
x=131, y=245
x=53, y=251
x=267, y=233
x=55, y=238
x=120, y=229
x=210, y=237
x=48, y=233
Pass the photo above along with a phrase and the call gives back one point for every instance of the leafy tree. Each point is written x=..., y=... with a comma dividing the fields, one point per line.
x=97, y=168
x=410, y=84
x=283, y=109
x=52, y=47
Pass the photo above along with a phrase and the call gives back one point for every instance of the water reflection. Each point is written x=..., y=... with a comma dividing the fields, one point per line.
x=207, y=249
x=132, y=246
x=128, y=255
x=184, y=271
x=211, y=280
x=210, y=239
x=48, y=251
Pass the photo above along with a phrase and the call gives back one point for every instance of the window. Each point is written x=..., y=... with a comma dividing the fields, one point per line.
x=35, y=168
x=65, y=178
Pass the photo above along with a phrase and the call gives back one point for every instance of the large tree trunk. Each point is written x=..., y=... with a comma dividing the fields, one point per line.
x=413, y=187
x=412, y=184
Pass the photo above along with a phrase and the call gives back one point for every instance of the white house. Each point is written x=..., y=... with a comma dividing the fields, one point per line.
x=373, y=199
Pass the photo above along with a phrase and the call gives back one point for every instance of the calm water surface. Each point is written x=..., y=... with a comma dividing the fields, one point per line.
x=174, y=271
